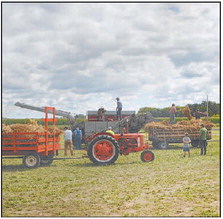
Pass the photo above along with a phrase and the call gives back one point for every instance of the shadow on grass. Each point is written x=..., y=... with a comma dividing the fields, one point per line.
x=99, y=165
x=13, y=168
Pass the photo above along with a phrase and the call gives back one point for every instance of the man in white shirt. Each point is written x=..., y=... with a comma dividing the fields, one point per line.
x=68, y=141
x=186, y=141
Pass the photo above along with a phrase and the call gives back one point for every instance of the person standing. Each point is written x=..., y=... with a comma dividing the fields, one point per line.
x=203, y=139
x=77, y=138
x=119, y=109
x=172, y=112
x=186, y=141
x=197, y=114
x=68, y=141
x=101, y=114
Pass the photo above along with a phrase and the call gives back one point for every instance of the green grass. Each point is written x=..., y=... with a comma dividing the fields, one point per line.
x=169, y=186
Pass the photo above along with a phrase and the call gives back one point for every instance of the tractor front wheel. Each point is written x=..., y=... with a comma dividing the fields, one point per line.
x=147, y=156
x=31, y=160
x=103, y=150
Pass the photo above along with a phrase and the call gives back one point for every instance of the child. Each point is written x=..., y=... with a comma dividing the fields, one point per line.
x=186, y=141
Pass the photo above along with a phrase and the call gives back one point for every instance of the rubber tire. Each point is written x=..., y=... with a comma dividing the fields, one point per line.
x=195, y=143
x=31, y=160
x=155, y=144
x=162, y=145
x=115, y=150
x=46, y=161
x=147, y=156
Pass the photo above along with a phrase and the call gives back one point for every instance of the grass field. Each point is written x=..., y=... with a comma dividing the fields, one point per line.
x=169, y=186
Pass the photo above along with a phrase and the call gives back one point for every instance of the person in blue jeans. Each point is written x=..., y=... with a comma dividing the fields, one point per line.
x=77, y=138
x=119, y=109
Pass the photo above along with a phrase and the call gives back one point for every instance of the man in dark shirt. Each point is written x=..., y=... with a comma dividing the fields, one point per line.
x=203, y=139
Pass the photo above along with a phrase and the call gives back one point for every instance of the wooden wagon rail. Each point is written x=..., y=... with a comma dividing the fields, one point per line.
x=162, y=137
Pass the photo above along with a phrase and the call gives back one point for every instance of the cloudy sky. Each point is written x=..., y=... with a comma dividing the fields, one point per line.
x=80, y=56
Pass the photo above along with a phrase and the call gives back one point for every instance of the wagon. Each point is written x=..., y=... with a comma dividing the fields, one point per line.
x=161, y=138
x=34, y=148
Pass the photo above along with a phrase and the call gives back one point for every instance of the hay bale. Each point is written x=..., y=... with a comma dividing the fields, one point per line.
x=192, y=125
x=6, y=129
x=54, y=129
x=32, y=126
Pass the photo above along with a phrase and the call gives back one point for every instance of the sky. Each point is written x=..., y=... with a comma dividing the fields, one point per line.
x=81, y=56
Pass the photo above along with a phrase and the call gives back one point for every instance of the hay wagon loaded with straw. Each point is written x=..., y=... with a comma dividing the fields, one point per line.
x=163, y=134
x=33, y=143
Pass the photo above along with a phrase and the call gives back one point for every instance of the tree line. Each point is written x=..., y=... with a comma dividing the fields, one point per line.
x=213, y=109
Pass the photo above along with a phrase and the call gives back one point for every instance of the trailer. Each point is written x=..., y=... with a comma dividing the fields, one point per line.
x=34, y=148
x=161, y=138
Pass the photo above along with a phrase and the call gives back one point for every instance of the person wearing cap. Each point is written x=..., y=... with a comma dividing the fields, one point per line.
x=110, y=131
x=186, y=141
x=101, y=114
x=77, y=138
x=119, y=109
x=203, y=139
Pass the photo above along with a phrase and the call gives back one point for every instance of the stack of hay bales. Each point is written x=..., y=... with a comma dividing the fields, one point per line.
x=32, y=126
x=191, y=125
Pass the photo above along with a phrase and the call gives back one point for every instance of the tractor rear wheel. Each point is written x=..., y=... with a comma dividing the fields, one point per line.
x=147, y=156
x=103, y=150
x=31, y=160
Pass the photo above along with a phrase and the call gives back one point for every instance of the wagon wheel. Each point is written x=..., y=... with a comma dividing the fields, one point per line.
x=103, y=150
x=195, y=143
x=31, y=160
x=162, y=144
x=155, y=144
x=147, y=156
x=46, y=160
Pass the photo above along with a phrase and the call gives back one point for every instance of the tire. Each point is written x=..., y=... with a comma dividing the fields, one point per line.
x=195, y=143
x=155, y=144
x=31, y=160
x=163, y=145
x=46, y=160
x=103, y=150
x=147, y=156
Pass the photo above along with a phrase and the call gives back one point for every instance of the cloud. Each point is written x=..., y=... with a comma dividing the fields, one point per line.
x=79, y=56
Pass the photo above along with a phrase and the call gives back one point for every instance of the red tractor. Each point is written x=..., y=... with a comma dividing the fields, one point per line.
x=105, y=148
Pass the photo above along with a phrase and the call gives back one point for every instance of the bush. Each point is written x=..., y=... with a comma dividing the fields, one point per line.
x=215, y=119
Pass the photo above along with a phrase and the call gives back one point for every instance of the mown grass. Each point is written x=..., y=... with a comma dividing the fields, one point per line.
x=169, y=186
